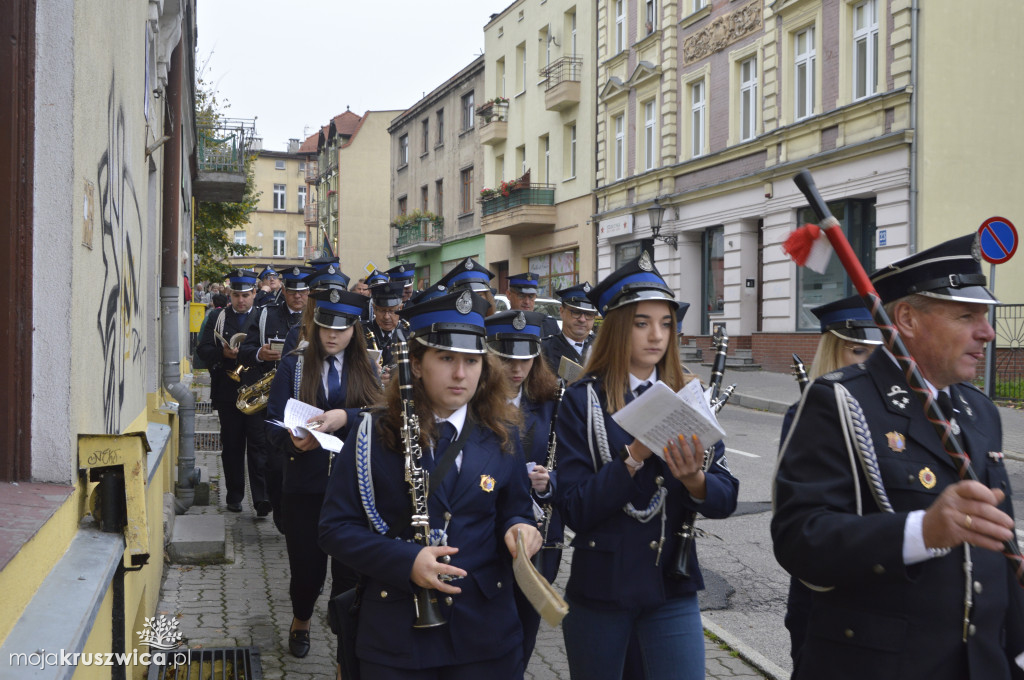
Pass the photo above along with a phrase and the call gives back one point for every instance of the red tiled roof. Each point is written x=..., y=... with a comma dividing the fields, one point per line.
x=347, y=123
x=309, y=146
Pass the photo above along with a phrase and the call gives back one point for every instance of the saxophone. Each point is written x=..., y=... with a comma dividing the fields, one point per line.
x=253, y=398
x=428, y=611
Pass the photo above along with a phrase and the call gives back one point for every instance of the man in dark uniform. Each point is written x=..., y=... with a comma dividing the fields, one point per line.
x=405, y=273
x=260, y=352
x=909, y=584
x=269, y=293
x=216, y=350
x=387, y=301
x=328, y=275
x=522, y=295
x=573, y=341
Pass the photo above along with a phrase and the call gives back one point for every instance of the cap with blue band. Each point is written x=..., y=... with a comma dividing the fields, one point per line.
x=452, y=322
x=242, y=280
x=514, y=334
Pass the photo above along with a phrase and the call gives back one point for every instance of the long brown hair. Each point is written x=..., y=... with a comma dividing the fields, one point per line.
x=489, y=406
x=611, y=351
x=362, y=388
x=540, y=384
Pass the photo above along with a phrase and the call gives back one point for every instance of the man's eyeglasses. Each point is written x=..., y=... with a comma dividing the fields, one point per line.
x=580, y=314
x=384, y=311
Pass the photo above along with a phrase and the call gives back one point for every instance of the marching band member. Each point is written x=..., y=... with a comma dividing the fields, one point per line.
x=334, y=373
x=522, y=294
x=623, y=502
x=387, y=303
x=404, y=273
x=848, y=336
x=514, y=337
x=471, y=275
x=577, y=334
x=478, y=504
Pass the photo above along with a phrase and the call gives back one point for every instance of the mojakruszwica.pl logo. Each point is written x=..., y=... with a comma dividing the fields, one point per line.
x=159, y=633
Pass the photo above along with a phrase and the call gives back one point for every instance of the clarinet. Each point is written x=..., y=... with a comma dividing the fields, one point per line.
x=545, y=522
x=799, y=373
x=428, y=612
x=681, y=564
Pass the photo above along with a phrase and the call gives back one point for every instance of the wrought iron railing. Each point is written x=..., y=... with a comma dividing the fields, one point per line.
x=561, y=70
x=420, y=232
x=1009, y=362
x=533, y=194
x=493, y=111
x=310, y=213
x=225, y=144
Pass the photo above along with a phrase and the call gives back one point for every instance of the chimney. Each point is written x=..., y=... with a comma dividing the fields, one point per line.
x=293, y=145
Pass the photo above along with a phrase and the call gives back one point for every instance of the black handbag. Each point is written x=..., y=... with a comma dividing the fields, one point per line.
x=343, y=617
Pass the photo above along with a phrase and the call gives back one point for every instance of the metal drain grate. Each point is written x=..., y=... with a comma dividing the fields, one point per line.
x=225, y=663
x=208, y=441
x=204, y=408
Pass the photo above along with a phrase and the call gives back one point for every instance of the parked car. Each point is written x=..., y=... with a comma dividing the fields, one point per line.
x=549, y=306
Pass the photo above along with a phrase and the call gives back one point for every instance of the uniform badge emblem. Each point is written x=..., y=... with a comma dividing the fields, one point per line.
x=967, y=407
x=464, y=305
x=330, y=269
x=335, y=296
x=898, y=401
x=469, y=264
x=954, y=426
x=586, y=287
x=295, y=271
x=927, y=478
x=897, y=442
x=645, y=262
x=519, y=323
x=487, y=483
x=401, y=268
x=834, y=375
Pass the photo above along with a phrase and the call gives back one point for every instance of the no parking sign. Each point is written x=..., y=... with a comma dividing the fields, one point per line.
x=998, y=239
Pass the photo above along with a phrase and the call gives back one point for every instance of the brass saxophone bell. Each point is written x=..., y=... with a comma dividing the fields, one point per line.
x=236, y=373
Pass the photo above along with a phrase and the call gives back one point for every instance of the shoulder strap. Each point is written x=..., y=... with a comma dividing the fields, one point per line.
x=263, y=326
x=219, y=326
x=450, y=454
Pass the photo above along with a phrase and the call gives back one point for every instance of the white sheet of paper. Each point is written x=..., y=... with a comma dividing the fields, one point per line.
x=659, y=414
x=297, y=414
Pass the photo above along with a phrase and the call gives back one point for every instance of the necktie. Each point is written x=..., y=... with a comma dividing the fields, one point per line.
x=445, y=435
x=333, y=381
x=642, y=387
x=293, y=318
x=946, y=406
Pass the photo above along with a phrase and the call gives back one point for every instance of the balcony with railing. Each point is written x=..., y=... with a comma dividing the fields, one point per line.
x=518, y=207
x=309, y=215
x=418, y=234
x=222, y=148
x=312, y=171
x=562, y=83
x=493, y=117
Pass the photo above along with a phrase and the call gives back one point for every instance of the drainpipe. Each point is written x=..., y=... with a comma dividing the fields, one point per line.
x=170, y=293
x=915, y=123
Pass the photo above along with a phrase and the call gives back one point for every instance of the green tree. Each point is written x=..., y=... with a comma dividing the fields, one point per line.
x=212, y=237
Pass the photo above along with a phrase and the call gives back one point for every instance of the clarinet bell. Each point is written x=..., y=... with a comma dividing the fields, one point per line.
x=428, y=611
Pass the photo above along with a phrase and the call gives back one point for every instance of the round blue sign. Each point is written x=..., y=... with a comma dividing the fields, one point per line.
x=998, y=239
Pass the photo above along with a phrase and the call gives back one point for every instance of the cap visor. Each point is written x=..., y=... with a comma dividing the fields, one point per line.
x=328, y=319
x=975, y=294
x=468, y=343
x=864, y=336
x=514, y=349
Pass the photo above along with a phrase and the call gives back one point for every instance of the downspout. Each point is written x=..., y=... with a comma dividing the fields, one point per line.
x=170, y=293
x=915, y=124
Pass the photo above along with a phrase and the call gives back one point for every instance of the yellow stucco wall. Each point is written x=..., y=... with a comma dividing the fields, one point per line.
x=968, y=134
x=265, y=221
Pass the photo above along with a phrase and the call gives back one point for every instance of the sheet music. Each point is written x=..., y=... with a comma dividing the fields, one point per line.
x=659, y=414
x=296, y=415
x=569, y=370
x=544, y=598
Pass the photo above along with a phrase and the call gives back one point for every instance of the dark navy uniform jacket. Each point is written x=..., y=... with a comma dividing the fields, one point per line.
x=536, y=429
x=278, y=323
x=490, y=495
x=554, y=347
x=884, y=619
x=223, y=390
x=267, y=298
x=613, y=563
x=386, y=344
x=304, y=471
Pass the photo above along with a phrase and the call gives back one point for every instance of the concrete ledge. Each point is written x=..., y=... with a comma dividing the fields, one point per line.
x=63, y=609
x=759, y=403
x=198, y=539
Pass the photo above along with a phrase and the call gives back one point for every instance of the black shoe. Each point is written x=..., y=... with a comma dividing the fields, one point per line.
x=298, y=643
x=235, y=507
x=263, y=508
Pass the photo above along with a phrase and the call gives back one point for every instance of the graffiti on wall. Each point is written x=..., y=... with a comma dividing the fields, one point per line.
x=118, y=318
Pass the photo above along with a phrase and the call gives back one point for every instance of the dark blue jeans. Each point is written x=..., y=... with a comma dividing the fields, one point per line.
x=671, y=640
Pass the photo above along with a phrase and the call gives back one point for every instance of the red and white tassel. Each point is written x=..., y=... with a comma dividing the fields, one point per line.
x=809, y=247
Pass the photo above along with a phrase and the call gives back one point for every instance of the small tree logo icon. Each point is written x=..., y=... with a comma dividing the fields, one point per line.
x=160, y=632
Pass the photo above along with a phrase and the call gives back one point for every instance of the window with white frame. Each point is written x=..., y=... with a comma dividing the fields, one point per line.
x=699, y=4
x=698, y=116
x=748, y=98
x=403, y=150
x=300, y=244
x=803, y=73
x=302, y=197
x=650, y=16
x=649, y=135
x=302, y=166
x=279, y=196
x=865, y=49
x=620, y=26
x=279, y=165
x=240, y=238
x=620, y=142
x=545, y=148
x=572, y=150
x=278, y=244
x=572, y=38
x=467, y=111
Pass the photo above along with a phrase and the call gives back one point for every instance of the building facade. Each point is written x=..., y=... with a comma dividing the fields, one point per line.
x=710, y=107
x=277, y=226
x=436, y=159
x=100, y=163
x=537, y=123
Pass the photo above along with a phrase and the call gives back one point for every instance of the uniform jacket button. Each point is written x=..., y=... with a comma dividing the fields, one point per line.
x=383, y=594
x=878, y=569
x=971, y=630
x=654, y=545
x=848, y=632
x=978, y=587
x=499, y=584
x=448, y=600
x=591, y=544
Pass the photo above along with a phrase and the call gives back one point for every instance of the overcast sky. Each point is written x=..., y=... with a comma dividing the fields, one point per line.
x=294, y=65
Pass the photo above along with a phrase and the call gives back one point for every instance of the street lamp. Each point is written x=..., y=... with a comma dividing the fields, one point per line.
x=654, y=215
